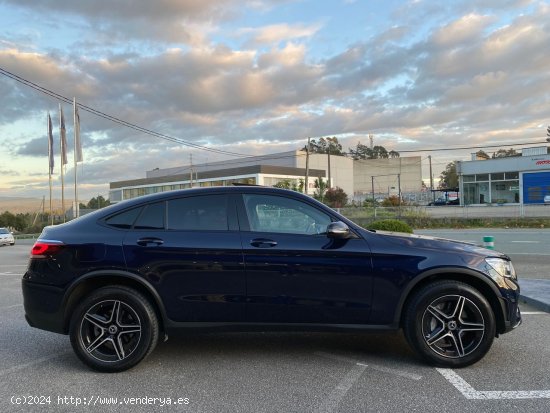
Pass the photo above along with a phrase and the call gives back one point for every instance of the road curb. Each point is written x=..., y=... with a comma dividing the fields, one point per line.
x=536, y=293
x=539, y=305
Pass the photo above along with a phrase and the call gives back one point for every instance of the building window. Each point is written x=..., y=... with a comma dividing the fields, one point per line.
x=511, y=175
x=468, y=178
x=500, y=190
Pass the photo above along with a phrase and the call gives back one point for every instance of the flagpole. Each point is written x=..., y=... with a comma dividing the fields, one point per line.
x=62, y=152
x=76, y=206
x=50, y=152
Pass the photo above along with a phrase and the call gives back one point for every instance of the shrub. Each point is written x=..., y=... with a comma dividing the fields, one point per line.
x=392, y=225
x=336, y=197
x=393, y=201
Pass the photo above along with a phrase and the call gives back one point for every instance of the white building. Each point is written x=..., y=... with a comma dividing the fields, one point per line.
x=352, y=176
x=521, y=179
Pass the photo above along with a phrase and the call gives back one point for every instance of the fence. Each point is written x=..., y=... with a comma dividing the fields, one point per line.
x=450, y=211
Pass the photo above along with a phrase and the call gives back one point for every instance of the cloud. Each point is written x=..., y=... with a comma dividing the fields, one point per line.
x=275, y=33
x=477, y=77
x=464, y=29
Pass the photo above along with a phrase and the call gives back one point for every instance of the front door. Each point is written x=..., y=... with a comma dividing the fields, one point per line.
x=294, y=272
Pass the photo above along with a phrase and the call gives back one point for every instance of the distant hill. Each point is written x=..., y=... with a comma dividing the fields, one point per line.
x=17, y=205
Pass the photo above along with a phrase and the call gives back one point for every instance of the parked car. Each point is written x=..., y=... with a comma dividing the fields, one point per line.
x=6, y=237
x=249, y=258
x=438, y=202
x=443, y=201
x=547, y=199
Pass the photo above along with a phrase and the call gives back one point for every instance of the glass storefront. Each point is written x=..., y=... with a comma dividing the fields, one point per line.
x=495, y=188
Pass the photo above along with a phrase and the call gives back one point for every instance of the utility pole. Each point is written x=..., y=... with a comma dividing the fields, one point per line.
x=191, y=172
x=399, y=192
x=329, y=181
x=306, y=182
x=431, y=178
x=372, y=183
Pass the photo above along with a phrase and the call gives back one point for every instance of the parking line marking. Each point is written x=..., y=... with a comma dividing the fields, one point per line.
x=470, y=393
x=388, y=370
x=335, y=397
x=532, y=312
x=32, y=363
x=527, y=253
x=526, y=242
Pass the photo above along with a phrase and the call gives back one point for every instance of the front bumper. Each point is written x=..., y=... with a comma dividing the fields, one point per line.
x=510, y=306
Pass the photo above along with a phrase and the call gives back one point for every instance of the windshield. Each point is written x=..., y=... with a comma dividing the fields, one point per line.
x=4, y=231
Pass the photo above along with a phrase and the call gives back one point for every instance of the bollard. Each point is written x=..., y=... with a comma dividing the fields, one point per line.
x=489, y=242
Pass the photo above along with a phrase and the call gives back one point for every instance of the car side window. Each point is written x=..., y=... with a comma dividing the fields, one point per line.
x=268, y=213
x=124, y=220
x=198, y=213
x=152, y=217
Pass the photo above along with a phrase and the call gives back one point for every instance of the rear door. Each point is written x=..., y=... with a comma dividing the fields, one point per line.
x=189, y=249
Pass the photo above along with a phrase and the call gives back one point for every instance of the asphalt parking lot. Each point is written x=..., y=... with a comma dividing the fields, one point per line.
x=267, y=372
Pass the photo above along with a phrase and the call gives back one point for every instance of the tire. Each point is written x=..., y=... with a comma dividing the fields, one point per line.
x=113, y=329
x=449, y=324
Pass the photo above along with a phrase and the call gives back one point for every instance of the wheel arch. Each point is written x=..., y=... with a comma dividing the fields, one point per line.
x=97, y=279
x=476, y=280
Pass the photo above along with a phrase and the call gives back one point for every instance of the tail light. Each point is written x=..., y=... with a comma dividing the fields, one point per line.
x=43, y=248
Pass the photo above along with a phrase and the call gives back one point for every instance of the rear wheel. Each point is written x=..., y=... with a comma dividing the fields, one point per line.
x=113, y=329
x=450, y=324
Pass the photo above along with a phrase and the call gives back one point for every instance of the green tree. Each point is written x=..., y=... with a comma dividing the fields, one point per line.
x=448, y=178
x=505, y=153
x=293, y=184
x=324, y=145
x=481, y=154
x=336, y=197
x=320, y=189
x=18, y=222
x=377, y=152
x=99, y=202
x=284, y=184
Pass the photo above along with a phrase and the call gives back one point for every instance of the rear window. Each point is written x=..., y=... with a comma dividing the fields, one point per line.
x=198, y=213
x=125, y=219
x=152, y=217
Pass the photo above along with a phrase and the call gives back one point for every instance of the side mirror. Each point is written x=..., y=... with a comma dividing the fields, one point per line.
x=338, y=230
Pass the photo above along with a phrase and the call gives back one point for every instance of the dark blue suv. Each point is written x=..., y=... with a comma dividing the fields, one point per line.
x=250, y=258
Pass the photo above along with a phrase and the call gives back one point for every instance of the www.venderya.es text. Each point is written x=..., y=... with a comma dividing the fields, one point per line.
x=99, y=401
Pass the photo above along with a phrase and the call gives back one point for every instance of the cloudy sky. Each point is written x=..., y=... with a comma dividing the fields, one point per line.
x=260, y=76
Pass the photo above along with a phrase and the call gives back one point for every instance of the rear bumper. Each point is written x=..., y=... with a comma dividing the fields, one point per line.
x=43, y=306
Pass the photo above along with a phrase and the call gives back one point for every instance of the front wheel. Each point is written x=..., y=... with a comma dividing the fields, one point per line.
x=450, y=324
x=113, y=329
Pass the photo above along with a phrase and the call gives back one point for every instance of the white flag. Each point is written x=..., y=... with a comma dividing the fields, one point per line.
x=50, y=144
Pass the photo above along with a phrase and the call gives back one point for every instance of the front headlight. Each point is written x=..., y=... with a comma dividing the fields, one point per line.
x=499, y=267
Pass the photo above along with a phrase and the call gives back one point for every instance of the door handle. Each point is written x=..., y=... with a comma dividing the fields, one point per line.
x=144, y=242
x=263, y=243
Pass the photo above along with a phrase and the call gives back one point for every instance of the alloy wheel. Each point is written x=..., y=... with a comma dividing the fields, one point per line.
x=453, y=326
x=110, y=331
